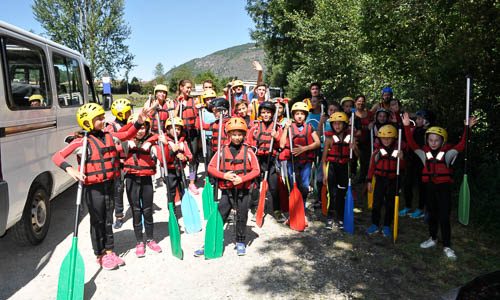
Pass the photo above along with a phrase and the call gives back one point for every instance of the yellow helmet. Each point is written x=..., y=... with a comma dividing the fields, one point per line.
x=236, y=123
x=133, y=118
x=387, y=131
x=35, y=97
x=161, y=87
x=208, y=94
x=439, y=131
x=121, y=105
x=308, y=102
x=88, y=112
x=345, y=99
x=237, y=83
x=339, y=117
x=177, y=121
x=300, y=106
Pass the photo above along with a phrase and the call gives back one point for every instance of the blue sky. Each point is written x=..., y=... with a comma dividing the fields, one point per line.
x=171, y=32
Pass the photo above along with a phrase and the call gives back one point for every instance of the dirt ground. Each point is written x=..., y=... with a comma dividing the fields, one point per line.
x=280, y=264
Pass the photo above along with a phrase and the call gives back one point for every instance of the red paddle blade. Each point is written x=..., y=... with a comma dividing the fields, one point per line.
x=259, y=217
x=324, y=201
x=297, y=214
x=177, y=198
x=283, y=195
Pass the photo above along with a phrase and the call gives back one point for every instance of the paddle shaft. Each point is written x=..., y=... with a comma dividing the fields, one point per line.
x=467, y=112
x=177, y=160
x=290, y=139
x=163, y=156
x=80, y=184
x=353, y=111
x=221, y=120
x=270, y=154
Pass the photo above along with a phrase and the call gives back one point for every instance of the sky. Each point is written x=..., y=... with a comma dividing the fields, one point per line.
x=170, y=32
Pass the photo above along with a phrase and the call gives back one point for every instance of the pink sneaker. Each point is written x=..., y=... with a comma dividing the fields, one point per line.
x=140, y=250
x=193, y=189
x=108, y=262
x=154, y=246
x=119, y=261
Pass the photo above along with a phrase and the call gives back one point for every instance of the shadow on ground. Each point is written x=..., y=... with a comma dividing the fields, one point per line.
x=323, y=263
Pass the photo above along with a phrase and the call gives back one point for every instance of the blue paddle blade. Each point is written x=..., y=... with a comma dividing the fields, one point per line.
x=349, y=212
x=190, y=213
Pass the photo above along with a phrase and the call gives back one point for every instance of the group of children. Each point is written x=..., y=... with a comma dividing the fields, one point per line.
x=247, y=138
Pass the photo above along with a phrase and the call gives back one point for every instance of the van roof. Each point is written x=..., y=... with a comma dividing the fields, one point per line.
x=9, y=27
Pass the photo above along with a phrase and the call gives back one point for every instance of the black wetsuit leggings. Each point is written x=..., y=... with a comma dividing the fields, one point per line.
x=140, y=198
x=383, y=195
x=100, y=203
x=240, y=203
x=337, y=189
x=272, y=199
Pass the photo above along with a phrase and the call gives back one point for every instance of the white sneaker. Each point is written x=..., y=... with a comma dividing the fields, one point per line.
x=449, y=253
x=428, y=244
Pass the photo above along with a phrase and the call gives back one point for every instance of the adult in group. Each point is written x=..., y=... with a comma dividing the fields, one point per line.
x=188, y=112
x=208, y=85
x=160, y=94
x=365, y=117
x=387, y=95
x=261, y=91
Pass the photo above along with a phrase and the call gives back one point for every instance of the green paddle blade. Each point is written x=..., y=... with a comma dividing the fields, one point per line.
x=71, y=275
x=464, y=202
x=214, y=234
x=207, y=199
x=174, y=233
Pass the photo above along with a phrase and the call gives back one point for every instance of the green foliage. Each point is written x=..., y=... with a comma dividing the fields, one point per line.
x=423, y=49
x=95, y=28
x=178, y=75
x=159, y=74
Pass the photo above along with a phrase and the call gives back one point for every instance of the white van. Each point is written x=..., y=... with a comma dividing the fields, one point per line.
x=42, y=84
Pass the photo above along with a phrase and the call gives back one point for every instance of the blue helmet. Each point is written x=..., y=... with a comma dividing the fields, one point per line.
x=387, y=89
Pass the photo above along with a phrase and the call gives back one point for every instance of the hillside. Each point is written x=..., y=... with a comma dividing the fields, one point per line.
x=231, y=62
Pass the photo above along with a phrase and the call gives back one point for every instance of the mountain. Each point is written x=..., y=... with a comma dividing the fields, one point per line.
x=231, y=62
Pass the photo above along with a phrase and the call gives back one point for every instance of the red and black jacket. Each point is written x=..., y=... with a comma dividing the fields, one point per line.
x=140, y=161
x=300, y=138
x=259, y=137
x=339, y=151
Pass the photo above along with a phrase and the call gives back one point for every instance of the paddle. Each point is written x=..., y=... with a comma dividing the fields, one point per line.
x=396, y=198
x=173, y=225
x=259, y=218
x=296, y=203
x=189, y=208
x=214, y=232
x=464, y=195
x=370, y=193
x=324, y=188
x=72, y=273
x=349, y=201
x=207, y=196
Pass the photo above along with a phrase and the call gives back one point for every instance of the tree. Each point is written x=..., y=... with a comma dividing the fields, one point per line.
x=128, y=65
x=95, y=28
x=159, y=74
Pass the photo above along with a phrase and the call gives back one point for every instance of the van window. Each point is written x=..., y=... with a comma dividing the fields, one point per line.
x=90, y=84
x=26, y=74
x=68, y=81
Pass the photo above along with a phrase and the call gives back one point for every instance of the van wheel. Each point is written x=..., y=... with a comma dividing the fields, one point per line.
x=34, y=224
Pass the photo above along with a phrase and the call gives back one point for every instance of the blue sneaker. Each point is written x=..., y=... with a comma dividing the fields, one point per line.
x=404, y=212
x=372, y=229
x=241, y=249
x=386, y=231
x=199, y=252
x=417, y=214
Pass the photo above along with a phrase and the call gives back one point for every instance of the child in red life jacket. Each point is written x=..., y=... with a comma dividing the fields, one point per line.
x=161, y=101
x=259, y=137
x=139, y=166
x=305, y=142
x=335, y=163
x=383, y=165
x=177, y=156
x=437, y=158
x=238, y=166
x=220, y=108
x=121, y=109
x=102, y=167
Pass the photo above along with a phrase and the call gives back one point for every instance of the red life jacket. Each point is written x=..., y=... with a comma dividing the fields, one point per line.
x=102, y=163
x=171, y=163
x=435, y=169
x=189, y=114
x=163, y=118
x=139, y=160
x=263, y=138
x=215, y=134
x=300, y=138
x=339, y=151
x=386, y=163
x=239, y=164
